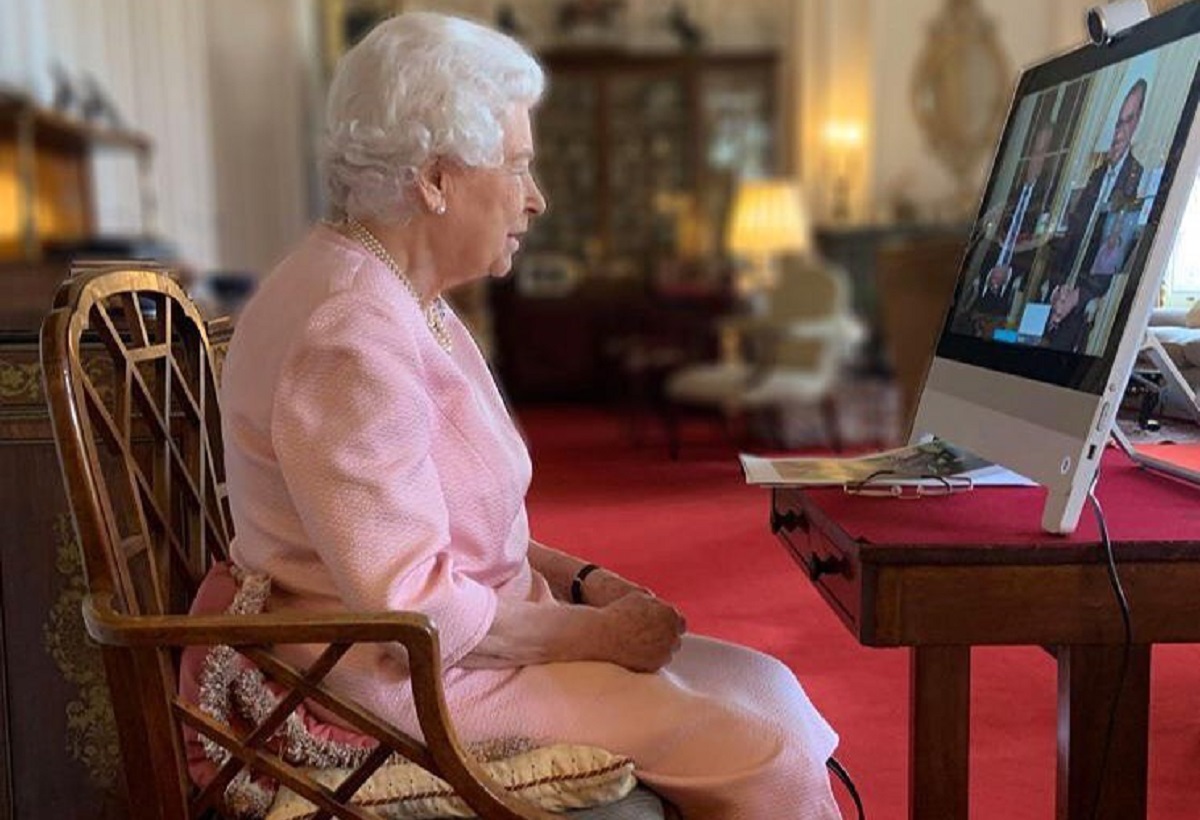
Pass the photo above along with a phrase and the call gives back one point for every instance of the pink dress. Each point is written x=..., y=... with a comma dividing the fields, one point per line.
x=369, y=469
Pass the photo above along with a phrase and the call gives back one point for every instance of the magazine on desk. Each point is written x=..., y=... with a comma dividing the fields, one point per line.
x=928, y=464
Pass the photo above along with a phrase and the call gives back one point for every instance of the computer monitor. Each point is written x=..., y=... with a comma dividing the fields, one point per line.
x=1064, y=262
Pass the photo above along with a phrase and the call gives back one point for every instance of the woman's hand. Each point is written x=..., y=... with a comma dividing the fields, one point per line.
x=637, y=631
x=642, y=633
x=603, y=587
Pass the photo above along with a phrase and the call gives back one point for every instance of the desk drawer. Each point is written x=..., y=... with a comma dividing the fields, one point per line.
x=836, y=572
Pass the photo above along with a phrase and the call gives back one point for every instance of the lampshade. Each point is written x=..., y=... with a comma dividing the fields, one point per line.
x=769, y=217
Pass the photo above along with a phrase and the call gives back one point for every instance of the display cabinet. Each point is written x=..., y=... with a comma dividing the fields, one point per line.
x=638, y=153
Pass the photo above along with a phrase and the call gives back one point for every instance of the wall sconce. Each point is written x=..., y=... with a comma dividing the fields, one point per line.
x=10, y=212
x=768, y=218
x=845, y=140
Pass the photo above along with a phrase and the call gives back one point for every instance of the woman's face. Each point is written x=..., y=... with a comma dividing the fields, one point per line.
x=488, y=210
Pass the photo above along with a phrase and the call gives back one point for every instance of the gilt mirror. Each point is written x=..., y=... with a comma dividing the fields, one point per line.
x=960, y=92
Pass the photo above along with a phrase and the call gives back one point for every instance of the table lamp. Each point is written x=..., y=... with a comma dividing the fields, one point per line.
x=768, y=219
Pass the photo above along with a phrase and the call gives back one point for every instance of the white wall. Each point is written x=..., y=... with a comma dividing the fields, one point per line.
x=833, y=65
x=1028, y=31
x=148, y=55
x=225, y=88
x=221, y=87
x=23, y=55
x=258, y=57
x=855, y=60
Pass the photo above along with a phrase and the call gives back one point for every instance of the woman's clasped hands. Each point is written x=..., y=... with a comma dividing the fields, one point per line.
x=640, y=632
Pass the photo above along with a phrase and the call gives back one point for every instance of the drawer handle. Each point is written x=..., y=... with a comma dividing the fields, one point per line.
x=789, y=521
x=819, y=566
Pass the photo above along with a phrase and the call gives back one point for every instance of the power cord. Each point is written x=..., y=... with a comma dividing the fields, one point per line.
x=1127, y=622
x=835, y=766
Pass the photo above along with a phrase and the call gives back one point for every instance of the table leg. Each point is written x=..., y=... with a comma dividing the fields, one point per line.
x=939, y=731
x=1087, y=681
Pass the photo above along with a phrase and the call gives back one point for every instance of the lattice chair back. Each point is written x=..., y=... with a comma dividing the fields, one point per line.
x=132, y=392
x=148, y=437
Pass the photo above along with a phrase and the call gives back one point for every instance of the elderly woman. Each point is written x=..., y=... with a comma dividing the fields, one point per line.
x=372, y=463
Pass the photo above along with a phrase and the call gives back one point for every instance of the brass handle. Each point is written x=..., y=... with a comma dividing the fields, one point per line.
x=789, y=521
x=819, y=566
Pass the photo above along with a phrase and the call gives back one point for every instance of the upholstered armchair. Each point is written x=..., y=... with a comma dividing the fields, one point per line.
x=786, y=355
x=131, y=384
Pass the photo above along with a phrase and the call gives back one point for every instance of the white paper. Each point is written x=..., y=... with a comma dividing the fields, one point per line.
x=926, y=465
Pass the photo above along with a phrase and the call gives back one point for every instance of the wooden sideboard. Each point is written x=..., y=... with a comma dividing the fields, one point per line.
x=58, y=745
x=50, y=208
x=57, y=735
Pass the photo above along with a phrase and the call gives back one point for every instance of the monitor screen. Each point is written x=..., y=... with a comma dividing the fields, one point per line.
x=1071, y=209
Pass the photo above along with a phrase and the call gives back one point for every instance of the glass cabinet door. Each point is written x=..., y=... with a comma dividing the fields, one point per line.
x=650, y=145
x=739, y=136
x=568, y=165
x=639, y=155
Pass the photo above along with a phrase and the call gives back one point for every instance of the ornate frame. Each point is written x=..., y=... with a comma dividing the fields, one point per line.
x=337, y=15
x=937, y=92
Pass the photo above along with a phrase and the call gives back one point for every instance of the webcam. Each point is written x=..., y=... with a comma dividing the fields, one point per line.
x=1106, y=23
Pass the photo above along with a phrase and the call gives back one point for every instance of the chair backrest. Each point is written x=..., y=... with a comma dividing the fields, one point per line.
x=139, y=435
x=808, y=291
x=132, y=396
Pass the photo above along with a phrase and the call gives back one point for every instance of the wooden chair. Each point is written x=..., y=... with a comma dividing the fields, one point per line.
x=139, y=442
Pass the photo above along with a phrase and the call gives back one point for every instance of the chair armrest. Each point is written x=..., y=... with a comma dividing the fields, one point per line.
x=1168, y=317
x=112, y=628
x=844, y=329
x=744, y=325
x=415, y=631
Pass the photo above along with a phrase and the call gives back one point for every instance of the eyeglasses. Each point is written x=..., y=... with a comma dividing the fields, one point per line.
x=890, y=484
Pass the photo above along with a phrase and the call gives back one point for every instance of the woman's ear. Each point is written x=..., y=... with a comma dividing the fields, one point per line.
x=431, y=184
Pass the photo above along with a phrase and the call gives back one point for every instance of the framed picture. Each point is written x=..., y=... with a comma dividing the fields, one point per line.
x=345, y=22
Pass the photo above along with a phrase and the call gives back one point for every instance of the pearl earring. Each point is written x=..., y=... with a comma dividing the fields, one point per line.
x=440, y=208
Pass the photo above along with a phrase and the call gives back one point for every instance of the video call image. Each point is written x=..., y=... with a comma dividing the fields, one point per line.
x=1053, y=253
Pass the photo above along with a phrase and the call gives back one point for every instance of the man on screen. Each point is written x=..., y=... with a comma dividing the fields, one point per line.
x=1112, y=186
x=1010, y=258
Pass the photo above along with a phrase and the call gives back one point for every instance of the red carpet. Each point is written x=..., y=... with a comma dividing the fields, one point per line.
x=697, y=535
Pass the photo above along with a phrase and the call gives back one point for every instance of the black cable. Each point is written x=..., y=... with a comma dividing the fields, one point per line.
x=835, y=766
x=1127, y=621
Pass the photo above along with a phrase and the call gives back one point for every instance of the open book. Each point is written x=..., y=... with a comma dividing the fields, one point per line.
x=928, y=464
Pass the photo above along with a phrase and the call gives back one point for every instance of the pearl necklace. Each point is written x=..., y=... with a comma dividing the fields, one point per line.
x=434, y=311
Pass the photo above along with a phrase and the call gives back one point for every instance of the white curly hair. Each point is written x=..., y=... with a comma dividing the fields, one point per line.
x=419, y=85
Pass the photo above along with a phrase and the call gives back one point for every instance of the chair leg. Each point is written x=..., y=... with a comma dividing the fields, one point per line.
x=671, y=421
x=737, y=428
x=833, y=427
x=777, y=426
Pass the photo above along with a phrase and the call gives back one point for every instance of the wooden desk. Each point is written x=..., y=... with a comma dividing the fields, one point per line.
x=941, y=575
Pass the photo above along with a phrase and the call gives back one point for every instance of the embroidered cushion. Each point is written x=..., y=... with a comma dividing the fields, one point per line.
x=556, y=778
x=231, y=690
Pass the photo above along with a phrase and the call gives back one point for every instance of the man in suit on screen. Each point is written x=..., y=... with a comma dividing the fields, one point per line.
x=1112, y=186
